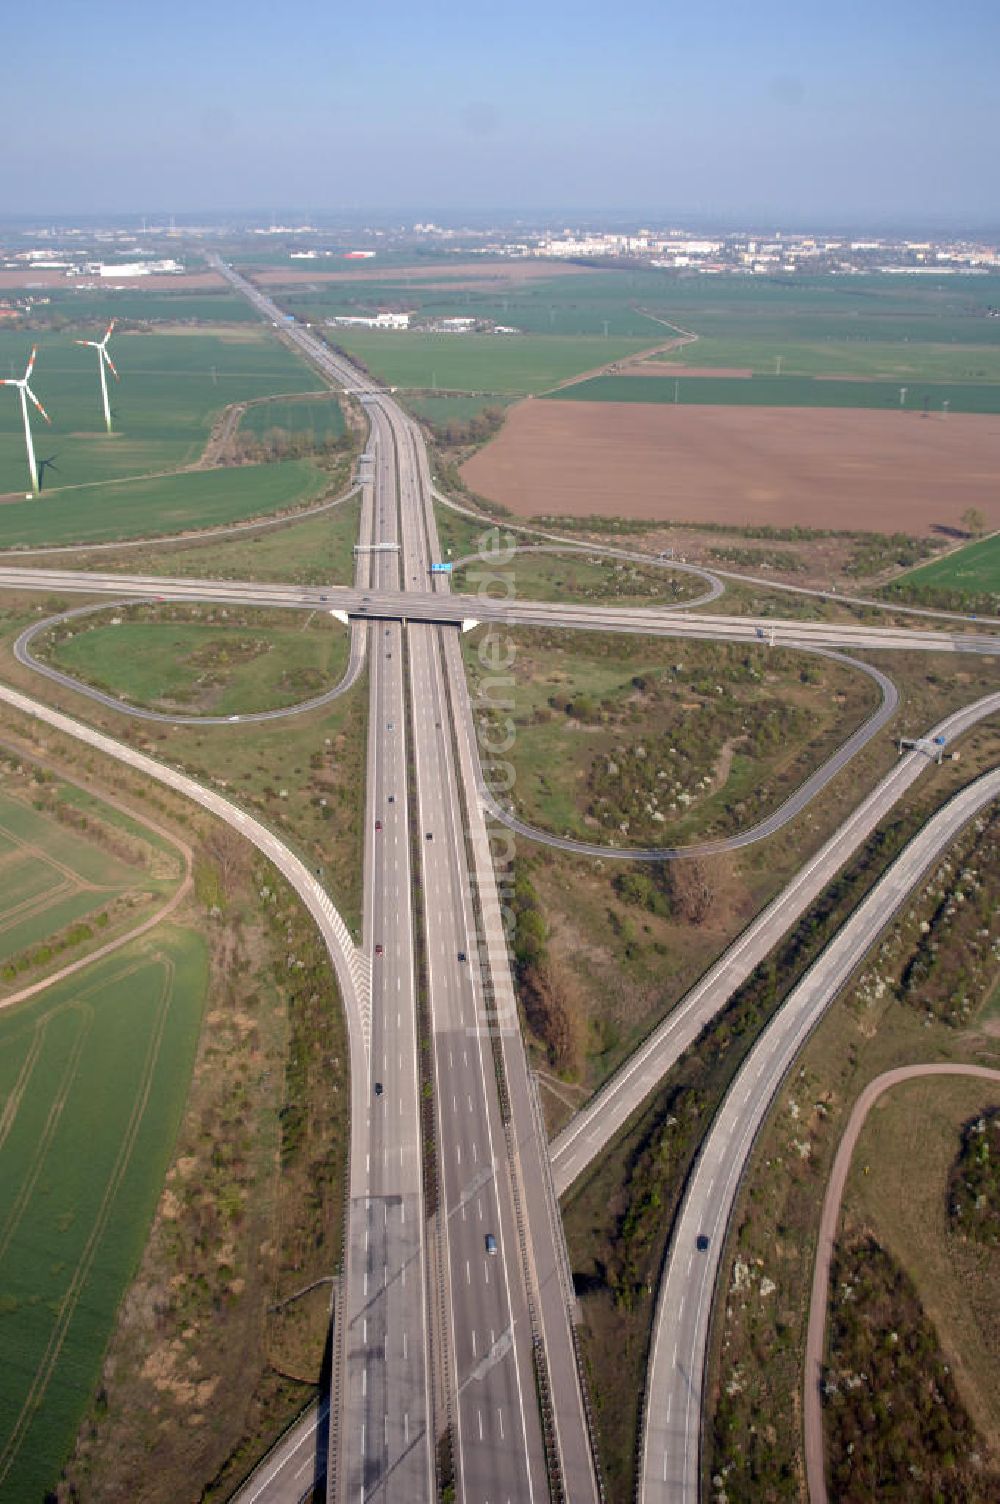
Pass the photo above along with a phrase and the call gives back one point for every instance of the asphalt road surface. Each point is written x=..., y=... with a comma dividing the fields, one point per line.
x=589, y=1131
x=792, y=806
x=383, y=1416
x=423, y=605
x=488, y=1298
x=673, y=1412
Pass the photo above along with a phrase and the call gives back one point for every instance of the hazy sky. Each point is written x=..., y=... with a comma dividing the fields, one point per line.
x=864, y=108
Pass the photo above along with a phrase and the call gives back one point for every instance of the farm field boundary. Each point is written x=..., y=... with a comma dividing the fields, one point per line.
x=740, y=466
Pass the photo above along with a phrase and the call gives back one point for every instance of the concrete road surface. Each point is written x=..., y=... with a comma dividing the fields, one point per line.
x=421, y=604
x=589, y=1131
x=673, y=1412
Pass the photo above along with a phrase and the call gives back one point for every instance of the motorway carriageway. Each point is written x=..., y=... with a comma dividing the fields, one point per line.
x=671, y=1466
x=465, y=610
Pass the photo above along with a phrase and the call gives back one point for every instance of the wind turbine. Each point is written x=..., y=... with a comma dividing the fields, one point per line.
x=103, y=358
x=26, y=392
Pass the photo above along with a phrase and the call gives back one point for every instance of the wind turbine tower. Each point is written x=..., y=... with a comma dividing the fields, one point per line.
x=103, y=359
x=26, y=392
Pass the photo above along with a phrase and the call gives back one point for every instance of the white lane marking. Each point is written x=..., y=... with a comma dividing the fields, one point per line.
x=468, y=1273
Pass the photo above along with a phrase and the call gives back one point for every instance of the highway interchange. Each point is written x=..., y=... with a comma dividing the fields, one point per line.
x=436, y=1337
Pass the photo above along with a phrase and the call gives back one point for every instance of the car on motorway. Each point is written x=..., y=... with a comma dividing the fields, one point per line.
x=378, y=1088
x=378, y=950
x=378, y=824
x=462, y=956
x=702, y=1242
x=392, y=798
x=491, y=1245
x=430, y=835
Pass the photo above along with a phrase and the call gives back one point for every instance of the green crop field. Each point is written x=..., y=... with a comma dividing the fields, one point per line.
x=486, y=363
x=237, y=662
x=931, y=330
x=321, y=417
x=93, y=1078
x=71, y=306
x=743, y=316
x=887, y=310
x=316, y=551
x=788, y=391
x=172, y=386
x=168, y=504
x=858, y=356
x=974, y=570
x=594, y=303
x=50, y=879
x=445, y=408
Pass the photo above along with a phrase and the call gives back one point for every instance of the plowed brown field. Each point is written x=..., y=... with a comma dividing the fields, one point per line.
x=879, y=472
x=457, y=276
x=166, y=281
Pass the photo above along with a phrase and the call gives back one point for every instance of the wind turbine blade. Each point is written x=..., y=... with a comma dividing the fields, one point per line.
x=6, y=381
x=31, y=362
x=91, y=342
x=35, y=400
x=111, y=363
x=107, y=334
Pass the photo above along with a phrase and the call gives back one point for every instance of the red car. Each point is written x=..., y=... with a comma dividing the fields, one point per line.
x=378, y=824
x=378, y=950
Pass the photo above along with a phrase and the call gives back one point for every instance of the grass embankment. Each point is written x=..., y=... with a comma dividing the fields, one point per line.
x=804, y=556
x=303, y=776
x=619, y=1215
x=618, y=939
x=643, y=741
x=897, y=1192
x=453, y=418
x=895, y=1417
x=213, y=1353
x=574, y=576
x=201, y=660
x=173, y=384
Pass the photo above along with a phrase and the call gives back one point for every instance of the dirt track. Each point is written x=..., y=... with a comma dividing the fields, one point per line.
x=829, y=1218
x=820, y=467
